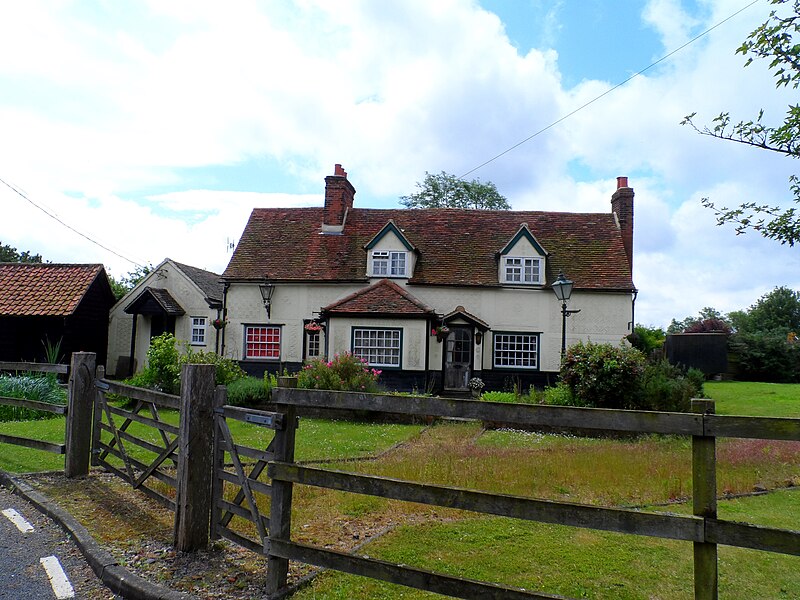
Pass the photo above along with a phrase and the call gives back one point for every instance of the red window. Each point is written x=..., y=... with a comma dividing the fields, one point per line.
x=262, y=342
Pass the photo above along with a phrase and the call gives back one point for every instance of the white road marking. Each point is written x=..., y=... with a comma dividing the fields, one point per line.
x=18, y=520
x=62, y=588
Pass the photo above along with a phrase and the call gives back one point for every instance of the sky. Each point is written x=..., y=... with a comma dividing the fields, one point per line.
x=135, y=131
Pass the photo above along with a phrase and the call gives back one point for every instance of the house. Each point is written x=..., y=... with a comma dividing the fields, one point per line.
x=62, y=305
x=173, y=298
x=430, y=297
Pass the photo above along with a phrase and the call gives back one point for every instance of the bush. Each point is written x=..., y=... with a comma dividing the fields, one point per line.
x=602, y=375
x=560, y=395
x=228, y=370
x=164, y=362
x=345, y=372
x=249, y=391
x=162, y=371
x=668, y=387
x=766, y=356
x=42, y=388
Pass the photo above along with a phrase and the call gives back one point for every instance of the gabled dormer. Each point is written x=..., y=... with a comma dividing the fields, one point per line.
x=522, y=260
x=390, y=254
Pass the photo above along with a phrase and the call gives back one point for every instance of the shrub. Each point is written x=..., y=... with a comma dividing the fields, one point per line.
x=30, y=387
x=766, y=356
x=248, y=391
x=345, y=372
x=162, y=371
x=602, y=375
x=668, y=387
x=164, y=363
x=228, y=370
x=560, y=395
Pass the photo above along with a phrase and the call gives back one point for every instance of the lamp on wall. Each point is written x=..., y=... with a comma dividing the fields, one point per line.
x=562, y=287
x=267, y=289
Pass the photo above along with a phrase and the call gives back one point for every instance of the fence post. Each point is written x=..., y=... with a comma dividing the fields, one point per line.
x=80, y=413
x=218, y=464
x=704, y=501
x=193, y=493
x=280, y=517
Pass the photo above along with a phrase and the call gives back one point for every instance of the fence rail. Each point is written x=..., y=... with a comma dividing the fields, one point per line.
x=118, y=441
x=77, y=425
x=702, y=528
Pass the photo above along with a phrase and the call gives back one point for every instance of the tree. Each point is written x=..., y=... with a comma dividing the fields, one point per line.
x=448, y=191
x=709, y=320
x=122, y=286
x=772, y=40
x=777, y=312
x=9, y=254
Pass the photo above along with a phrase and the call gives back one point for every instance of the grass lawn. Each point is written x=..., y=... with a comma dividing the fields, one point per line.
x=317, y=439
x=755, y=399
x=577, y=563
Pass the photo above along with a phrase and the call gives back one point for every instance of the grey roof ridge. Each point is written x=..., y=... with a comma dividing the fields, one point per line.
x=115, y=577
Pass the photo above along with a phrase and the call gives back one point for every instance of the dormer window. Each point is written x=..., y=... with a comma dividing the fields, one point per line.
x=389, y=263
x=522, y=269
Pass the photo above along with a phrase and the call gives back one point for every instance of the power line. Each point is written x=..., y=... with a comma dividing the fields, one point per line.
x=608, y=91
x=25, y=197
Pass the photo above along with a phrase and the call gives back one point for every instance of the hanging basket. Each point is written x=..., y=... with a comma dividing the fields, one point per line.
x=219, y=323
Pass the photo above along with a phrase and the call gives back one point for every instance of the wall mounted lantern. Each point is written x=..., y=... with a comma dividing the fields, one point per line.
x=267, y=289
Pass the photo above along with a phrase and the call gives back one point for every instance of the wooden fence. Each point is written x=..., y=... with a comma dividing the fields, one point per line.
x=702, y=528
x=80, y=398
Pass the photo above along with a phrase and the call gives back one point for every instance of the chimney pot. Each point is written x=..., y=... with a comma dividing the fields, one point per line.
x=339, y=171
x=622, y=182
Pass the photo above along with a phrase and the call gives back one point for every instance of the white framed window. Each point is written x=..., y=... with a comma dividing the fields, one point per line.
x=198, y=335
x=379, y=347
x=389, y=263
x=520, y=269
x=313, y=344
x=262, y=342
x=516, y=350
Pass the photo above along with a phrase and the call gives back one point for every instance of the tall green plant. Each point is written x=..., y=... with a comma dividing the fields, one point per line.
x=30, y=387
x=602, y=375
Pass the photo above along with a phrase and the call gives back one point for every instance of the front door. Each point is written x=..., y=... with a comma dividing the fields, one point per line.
x=458, y=359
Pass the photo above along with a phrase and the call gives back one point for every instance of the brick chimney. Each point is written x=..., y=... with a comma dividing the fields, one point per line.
x=622, y=207
x=339, y=194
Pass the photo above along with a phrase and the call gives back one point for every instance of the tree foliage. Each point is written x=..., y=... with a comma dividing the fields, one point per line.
x=448, y=191
x=773, y=40
x=10, y=254
x=775, y=312
x=125, y=284
x=709, y=320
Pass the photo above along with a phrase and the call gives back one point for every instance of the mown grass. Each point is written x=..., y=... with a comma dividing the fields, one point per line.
x=755, y=399
x=576, y=563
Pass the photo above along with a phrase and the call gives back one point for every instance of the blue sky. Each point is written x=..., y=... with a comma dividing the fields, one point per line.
x=155, y=127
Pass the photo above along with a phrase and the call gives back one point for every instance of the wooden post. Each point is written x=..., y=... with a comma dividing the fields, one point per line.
x=704, y=500
x=98, y=416
x=218, y=464
x=193, y=494
x=80, y=414
x=280, y=518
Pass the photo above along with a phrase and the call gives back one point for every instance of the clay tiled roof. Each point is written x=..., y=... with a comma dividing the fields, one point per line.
x=29, y=289
x=209, y=282
x=454, y=247
x=155, y=301
x=382, y=298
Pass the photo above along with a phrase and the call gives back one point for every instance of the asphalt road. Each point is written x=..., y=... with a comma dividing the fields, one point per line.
x=38, y=561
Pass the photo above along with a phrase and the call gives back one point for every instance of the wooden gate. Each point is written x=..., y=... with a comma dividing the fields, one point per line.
x=138, y=460
x=246, y=494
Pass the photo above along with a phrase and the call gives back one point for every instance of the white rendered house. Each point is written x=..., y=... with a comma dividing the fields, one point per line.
x=432, y=297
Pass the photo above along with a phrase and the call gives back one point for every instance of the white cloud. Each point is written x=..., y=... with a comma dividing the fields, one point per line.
x=105, y=103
